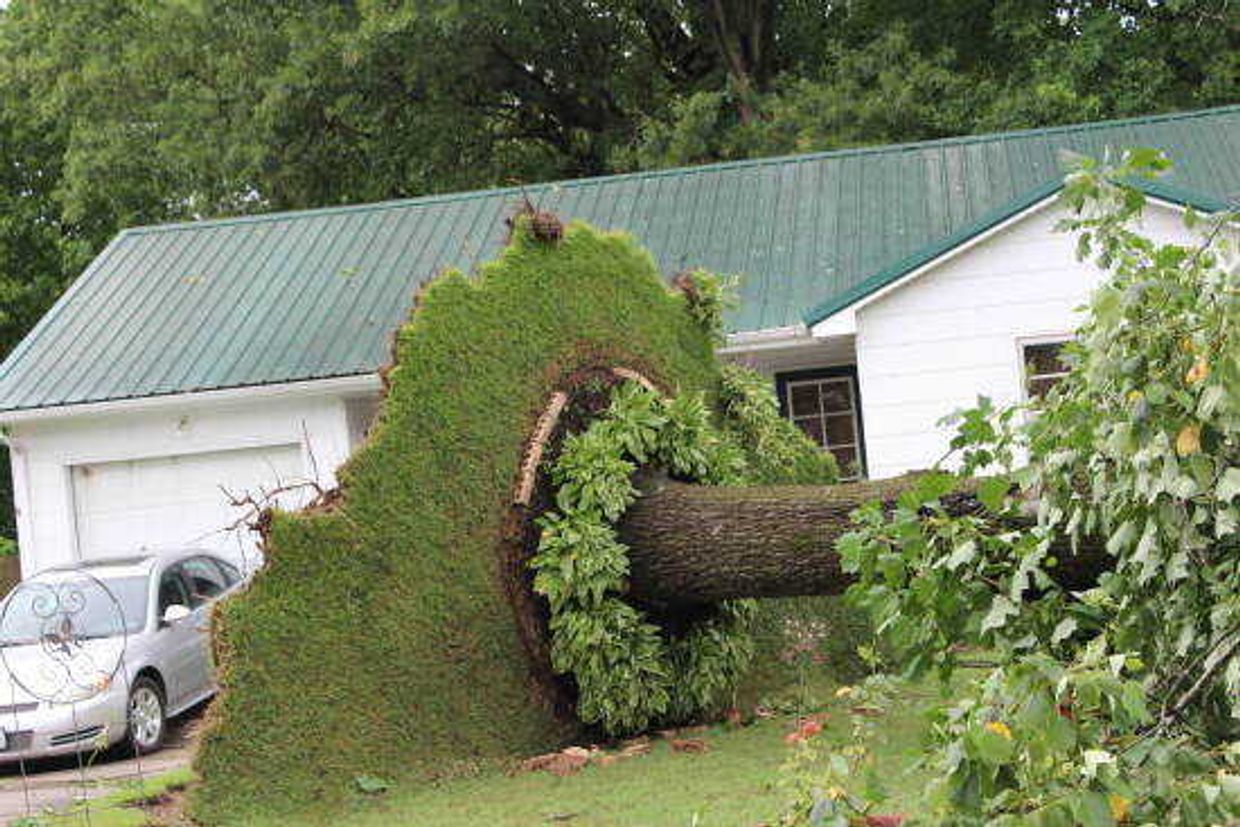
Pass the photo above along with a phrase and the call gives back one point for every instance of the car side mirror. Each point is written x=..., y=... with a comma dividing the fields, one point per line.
x=174, y=613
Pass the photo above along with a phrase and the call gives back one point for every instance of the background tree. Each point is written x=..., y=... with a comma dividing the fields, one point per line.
x=123, y=112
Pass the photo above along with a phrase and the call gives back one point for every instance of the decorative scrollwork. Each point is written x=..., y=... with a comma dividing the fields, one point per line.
x=62, y=636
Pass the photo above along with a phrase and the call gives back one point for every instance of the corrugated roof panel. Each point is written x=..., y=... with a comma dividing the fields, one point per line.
x=264, y=299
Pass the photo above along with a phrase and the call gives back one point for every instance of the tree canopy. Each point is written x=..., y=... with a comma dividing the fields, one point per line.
x=122, y=112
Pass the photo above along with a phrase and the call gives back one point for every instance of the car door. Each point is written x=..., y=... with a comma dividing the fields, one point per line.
x=176, y=642
x=206, y=581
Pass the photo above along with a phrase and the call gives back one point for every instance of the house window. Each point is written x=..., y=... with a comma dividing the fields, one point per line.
x=824, y=405
x=1044, y=366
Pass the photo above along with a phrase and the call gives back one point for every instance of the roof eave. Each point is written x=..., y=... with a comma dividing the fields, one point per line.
x=347, y=385
x=992, y=221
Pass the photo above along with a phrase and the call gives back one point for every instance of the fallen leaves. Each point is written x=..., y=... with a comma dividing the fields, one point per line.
x=806, y=729
x=564, y=762
x=571, y=760
x=891, y=820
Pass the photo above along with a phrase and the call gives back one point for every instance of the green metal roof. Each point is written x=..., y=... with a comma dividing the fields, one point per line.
x=316, y=294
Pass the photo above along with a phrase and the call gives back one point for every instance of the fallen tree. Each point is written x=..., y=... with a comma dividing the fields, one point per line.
x=397, y=627
x=701, y=544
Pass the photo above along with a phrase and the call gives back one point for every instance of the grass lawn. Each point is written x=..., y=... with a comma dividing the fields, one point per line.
x=734, y=783
x=133, y=804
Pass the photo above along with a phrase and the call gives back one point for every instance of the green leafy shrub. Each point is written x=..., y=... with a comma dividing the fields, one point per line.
x=629, y=671
x=777, y=451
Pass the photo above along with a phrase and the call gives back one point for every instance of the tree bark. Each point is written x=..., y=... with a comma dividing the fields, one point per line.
x=699, y=544
x=744, y=32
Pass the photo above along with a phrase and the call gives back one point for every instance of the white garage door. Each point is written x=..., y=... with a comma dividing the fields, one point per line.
x=179, y=501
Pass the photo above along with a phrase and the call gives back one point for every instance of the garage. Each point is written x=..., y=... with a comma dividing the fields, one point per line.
x=177, y=501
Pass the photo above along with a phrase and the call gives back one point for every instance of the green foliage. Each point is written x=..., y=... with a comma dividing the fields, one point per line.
x=1121, y=702
x=778, y=451
x=841, y=785
x=629, y=672
x=379, y=639
x=708, y=297
x=824, y=631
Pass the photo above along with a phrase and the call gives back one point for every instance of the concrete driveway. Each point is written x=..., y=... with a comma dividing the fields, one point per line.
x=54, y=784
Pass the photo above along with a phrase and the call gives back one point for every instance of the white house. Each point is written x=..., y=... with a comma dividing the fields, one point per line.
x=881, y=288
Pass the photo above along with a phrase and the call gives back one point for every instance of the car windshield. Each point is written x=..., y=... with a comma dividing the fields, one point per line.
x=73, y=604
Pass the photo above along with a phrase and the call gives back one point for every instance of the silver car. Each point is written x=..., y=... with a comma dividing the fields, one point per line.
x=105, y=651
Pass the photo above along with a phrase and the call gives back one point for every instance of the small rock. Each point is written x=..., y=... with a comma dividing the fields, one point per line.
x=893, y=820
x=558, y=763
x=635, y=749
x=689, y=745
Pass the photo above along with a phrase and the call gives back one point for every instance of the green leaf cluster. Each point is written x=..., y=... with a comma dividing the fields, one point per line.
x=778, y=451
x=1119, y=703
x=629, y=671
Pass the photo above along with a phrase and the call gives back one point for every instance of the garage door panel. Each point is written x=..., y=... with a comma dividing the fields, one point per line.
x=178, y=501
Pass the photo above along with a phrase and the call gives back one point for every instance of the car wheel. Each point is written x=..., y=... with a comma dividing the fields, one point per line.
x=147, y=721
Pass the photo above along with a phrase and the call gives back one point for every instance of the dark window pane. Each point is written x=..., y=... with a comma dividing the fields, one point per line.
x=837, y=396
x=840, y=430
x=1044, y=358
x=1038, y=388
x=804, y=399
x=172, y=591
x=812, y=428
x=205, y=580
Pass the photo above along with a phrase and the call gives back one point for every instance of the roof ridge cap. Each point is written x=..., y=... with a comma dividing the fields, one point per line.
x=744, y=163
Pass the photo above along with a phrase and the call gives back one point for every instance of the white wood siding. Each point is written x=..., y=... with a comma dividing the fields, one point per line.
x=937, y=342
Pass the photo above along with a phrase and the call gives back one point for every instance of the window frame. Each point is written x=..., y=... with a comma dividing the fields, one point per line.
x=1022, y=364
x=785, y=381
x=173, y=571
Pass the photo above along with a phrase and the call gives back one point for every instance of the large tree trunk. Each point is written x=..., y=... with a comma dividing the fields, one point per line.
x=697, y=544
